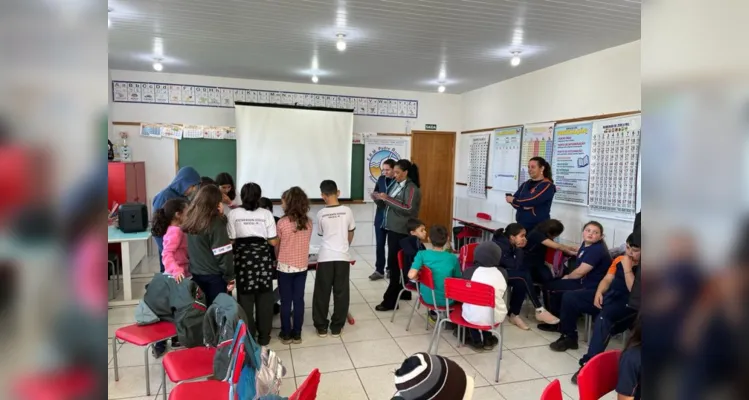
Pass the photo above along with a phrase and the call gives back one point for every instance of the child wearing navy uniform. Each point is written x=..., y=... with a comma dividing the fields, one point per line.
x=629, y=384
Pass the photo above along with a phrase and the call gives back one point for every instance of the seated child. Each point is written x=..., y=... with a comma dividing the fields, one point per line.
x=485, y=269
x=630, y=367
x=412, y=245
x=443, y=265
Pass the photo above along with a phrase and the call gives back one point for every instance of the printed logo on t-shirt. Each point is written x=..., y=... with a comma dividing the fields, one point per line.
x=221, y=250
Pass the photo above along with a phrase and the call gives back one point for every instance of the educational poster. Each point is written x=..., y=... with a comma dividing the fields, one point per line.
x=506, y=158
x=214, y=97
x=231, y=133
x=133, y=92
x=571, y=162
x=537, y=142
x=376, y=151
x=239, y=95
x=614, y=156
x=227, y=98
x=478, y=158
x=175, y=94
x=119, y=91
x=150, y=130
x=192, y=131
x=171, y=131
x=201, y=96
x=188, y=95
x=162, y=94
x=148, y=92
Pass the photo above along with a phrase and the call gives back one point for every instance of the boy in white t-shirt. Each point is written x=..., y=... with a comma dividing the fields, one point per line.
x=486, y=270
x=336, y=226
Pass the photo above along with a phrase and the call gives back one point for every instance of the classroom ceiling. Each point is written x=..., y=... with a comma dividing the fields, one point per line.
x=391, y=44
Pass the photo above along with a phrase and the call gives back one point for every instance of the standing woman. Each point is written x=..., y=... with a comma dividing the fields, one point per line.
x=534, y=196
x=225, y=182
x=402, y=202
x=382, y=186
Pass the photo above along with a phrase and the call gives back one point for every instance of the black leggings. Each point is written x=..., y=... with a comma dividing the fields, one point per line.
x=389, y=299
x=520, y=281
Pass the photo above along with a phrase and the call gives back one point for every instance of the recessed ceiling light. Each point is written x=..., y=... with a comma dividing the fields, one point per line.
x=341, y=43
x=157, y=66
x=515, y=61
x=315, y=79
x=441, y=89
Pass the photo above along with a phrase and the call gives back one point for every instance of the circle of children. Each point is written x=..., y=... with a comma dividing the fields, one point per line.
x=209, y=247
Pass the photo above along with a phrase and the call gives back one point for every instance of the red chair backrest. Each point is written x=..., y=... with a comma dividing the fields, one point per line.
x=400, y=259
x=484, y=216
x=465, y=291
x=465, y=256
x=599, y=375
x=308, y=389
x=425, y=277
x=553, y=391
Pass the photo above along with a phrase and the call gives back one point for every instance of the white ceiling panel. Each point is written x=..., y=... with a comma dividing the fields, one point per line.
x=391, y=44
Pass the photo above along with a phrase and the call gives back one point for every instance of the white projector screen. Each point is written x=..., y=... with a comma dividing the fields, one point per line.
x=283, y=146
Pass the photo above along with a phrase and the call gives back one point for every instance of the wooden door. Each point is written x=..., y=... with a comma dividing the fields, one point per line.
x=434, y=153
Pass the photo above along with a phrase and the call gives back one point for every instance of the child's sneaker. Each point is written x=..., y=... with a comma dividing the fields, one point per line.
x=322, y=332
x=285, y=338
x=546, y=317
x=297, y=339
x=336, y=333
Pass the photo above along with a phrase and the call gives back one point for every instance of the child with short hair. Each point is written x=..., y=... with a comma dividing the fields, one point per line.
x=486, y=263
x=443, y=265
x=294, y=232
x=336, y=226
x=166, y=223
x=413, y=243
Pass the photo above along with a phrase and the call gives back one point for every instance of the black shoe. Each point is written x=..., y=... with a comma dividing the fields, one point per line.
x=322, y=332
x=574, y=376
x=495, y=340
x=158, y=351
x=176, y=344
x=276, y=309
x=285, y=338
x=335, y=332
x=380, y=307
x=297, y=338
x=406, y=296
x=548, y=327
x=488, y=344
x=564, y=343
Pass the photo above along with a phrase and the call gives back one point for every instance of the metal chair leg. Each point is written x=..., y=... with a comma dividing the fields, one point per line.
x=148, y=376
x=436, y=335
x=163, y=380
x=114, y=355
x=499, y=358
x=397, y=304
x=413, y=311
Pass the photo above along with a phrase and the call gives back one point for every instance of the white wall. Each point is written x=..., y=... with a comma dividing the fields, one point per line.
x=159, y=155
x=600, y=83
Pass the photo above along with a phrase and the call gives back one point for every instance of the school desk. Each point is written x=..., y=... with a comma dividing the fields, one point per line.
x=134, y=248
x=486, y=226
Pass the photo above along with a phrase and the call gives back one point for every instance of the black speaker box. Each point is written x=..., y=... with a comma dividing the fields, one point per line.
x=133, y=217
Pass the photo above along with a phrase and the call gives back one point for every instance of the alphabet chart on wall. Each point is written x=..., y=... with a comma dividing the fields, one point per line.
x=477, y=165
x=615, y=152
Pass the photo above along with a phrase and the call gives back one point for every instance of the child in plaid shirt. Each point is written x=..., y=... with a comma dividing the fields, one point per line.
x=294, y=230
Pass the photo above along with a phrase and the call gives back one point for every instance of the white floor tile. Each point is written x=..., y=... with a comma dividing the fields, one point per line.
x=286, y=360
x=366, y=284
x=512, y=368
x=548, y=362
x=373, y=295
x=568, y=388
x=478, y=380
x=515, y=338
x=310, y=339
x=526, y=390
x=398, y=327
x=325, y=358
x=487, y=393
x=133, y=356
x=420, y=343
x=361, y=312
x=375, y=352
x=364, y=331
x=379, y=382
x=343, y=385
x=121, y=315
x=288, y=386
x=132, y=382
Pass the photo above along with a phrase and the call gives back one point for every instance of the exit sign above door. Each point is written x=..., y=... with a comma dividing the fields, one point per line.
x=430, y=127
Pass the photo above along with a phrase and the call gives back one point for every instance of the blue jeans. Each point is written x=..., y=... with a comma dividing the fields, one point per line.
x=613, y=319
x=291, y=289
x=381, y=239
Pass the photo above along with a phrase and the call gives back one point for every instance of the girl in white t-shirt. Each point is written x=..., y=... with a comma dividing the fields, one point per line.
x=253, y=230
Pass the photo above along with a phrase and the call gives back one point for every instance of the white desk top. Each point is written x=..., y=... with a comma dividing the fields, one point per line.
x=114, y=235
x=481, y=223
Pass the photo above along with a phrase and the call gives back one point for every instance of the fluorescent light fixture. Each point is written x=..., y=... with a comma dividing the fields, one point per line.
x=515, y=61
x=441, y=89
x=157, y=66
x=315, y=79
x=341, y=43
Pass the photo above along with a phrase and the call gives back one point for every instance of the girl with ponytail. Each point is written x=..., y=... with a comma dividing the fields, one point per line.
x=166, y=223
x=533, y=198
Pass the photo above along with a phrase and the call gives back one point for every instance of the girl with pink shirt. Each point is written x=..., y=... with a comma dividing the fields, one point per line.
x=166, y=223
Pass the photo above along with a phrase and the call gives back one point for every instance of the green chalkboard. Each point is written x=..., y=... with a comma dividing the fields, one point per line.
x=211, y=157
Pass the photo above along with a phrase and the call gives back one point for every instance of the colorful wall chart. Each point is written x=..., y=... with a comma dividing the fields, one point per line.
x=506, y=158
x=537, y=142
x=614, y=155
x=376, y=151
x=207, y=96
x=571, y=162
x=477, y=165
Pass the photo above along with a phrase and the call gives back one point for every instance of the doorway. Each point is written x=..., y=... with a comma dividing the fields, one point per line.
x=434, y=153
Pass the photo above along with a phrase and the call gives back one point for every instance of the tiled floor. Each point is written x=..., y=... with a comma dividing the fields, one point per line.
x=360, y=364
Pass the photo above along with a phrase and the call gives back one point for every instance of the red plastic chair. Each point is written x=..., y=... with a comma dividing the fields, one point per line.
x=465, y=256
x=407, y=286
x=188, y=364
x=146, y=335
x=599, y=376
x=308, y=389
x=426, y=278
x=483, y=216
x=474, y=293
x=553, y=391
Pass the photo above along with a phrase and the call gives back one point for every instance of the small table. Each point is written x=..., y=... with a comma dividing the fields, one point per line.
x=486, y=226
x=134, y=248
